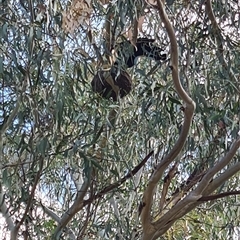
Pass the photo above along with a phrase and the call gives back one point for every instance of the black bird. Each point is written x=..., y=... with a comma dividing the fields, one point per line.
x=109, y=84
x=116, y=81
x=144, y=47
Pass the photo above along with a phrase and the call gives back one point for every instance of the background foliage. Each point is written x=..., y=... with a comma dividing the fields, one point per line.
x=56, y=133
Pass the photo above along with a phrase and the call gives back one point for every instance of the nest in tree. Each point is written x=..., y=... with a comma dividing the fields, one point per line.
x=109, y=84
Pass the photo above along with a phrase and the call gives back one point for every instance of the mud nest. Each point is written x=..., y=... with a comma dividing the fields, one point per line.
x=110, y=84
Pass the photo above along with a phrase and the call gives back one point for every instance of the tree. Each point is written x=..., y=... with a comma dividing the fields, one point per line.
x=161, y=163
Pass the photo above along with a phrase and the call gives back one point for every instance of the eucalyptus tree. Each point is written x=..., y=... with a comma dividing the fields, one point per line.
x=162, y=162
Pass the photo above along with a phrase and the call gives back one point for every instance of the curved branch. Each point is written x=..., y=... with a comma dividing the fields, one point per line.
x=148, y=229
x=174, y=56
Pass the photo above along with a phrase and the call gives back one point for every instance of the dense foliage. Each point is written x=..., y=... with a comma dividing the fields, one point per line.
x=69, y=157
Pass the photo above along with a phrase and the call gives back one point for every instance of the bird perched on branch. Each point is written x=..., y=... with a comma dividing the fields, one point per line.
x=144, y=47
x=114, y=82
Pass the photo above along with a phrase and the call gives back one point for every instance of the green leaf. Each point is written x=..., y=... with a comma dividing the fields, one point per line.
x=43, y=146
x=1, y=65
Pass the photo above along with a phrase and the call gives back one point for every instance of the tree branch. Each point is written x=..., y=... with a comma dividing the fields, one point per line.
x=76, y=207
x=5, y=213
x=121, y=181
x=79, y=203
x=14, y=232
x=188, y=114
x=193, y=200
x=218, y=166
x=55, y=217
x=217, y=182
x=217, y=196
